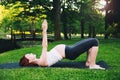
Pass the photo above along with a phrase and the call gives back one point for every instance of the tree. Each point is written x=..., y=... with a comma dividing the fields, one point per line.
x=112, y=18
x=64, y=17
x=71, y=11
x=106, y=21
x=19, y=11
x=56, y=13
x=86, y=13
x=32, y=8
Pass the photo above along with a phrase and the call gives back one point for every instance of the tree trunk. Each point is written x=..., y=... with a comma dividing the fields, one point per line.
x=70, y=32
x=90, y=31
x=56, y=13
x=21, y=31
x=106, y=27
x=82, y=28
x=24, y=36
x=32, y=30
x=64, y=21
x=94, y=34
x=106, y=22
x=11, y=34
x=65, y=31
x=82, y=20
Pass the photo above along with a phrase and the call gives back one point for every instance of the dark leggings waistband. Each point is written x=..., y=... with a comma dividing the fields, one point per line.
x=72, y=52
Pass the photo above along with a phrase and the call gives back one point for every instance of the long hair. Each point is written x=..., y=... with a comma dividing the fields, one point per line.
x=25, y=62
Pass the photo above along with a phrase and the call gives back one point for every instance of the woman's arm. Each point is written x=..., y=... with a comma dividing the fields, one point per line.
x=43, y=59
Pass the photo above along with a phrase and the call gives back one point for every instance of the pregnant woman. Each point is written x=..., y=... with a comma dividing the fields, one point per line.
x=61, y=51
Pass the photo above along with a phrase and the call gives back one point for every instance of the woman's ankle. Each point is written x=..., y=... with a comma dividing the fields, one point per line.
x=90, y=64
x=87, y=63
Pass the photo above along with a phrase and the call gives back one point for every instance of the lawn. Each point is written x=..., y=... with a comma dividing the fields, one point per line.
x=109, y=51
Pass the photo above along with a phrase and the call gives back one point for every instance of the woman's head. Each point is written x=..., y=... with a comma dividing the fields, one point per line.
x=28, y=60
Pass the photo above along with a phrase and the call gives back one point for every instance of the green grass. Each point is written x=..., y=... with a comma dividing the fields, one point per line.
x=109, y=51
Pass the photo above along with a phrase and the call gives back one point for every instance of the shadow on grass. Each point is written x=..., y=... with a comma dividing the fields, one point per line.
x=7, y=45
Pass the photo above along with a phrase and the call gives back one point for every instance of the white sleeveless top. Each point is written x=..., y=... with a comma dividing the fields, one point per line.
x=53, y=56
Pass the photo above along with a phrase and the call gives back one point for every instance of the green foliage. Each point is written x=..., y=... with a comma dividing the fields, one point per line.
x=9, y=18
x=76, y=10
x=108, y=53
x=19, y=16
x=21, y=13
x=112, y=17
x=113, y=30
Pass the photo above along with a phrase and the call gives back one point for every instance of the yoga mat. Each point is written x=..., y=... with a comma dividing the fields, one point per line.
x=80, y=64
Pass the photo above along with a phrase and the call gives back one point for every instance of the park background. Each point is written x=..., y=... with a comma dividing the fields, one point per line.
x=69, y=21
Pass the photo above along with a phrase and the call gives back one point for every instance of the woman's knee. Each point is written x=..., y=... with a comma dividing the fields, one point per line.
x=95, y=41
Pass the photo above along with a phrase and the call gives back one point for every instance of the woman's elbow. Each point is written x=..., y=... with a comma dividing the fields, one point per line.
x=43, y=65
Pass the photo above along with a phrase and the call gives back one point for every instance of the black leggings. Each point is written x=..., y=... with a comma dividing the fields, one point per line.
x=72, y=52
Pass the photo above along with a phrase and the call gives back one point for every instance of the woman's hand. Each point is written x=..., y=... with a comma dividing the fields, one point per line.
x=44, y=25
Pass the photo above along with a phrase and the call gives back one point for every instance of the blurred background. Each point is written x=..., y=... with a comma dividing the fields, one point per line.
x=20, y=20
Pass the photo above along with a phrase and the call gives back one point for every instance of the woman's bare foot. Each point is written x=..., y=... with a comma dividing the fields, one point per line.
x=96, y=67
